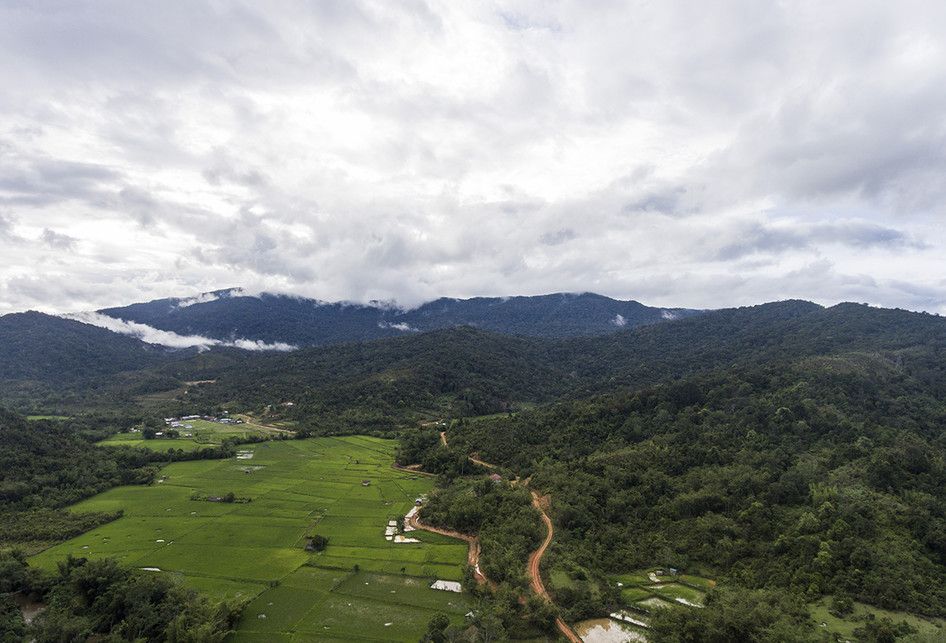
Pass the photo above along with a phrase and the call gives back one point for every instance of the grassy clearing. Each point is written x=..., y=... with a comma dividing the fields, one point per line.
x=36, y=418
x=254, y=552
x=559, y=579
x=928, y=629
x=635, y=578
x=705, y=584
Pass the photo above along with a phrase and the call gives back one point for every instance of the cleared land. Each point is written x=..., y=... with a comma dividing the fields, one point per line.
x=254, y=551
x=203, y=434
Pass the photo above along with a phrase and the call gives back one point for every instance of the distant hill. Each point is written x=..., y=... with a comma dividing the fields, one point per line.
x=44, y=358
x=308, y=322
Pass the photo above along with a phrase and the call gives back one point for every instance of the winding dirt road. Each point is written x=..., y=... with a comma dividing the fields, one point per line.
x=535, y=558
x=535, y=565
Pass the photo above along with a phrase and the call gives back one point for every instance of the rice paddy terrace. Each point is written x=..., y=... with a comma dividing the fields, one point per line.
x=361, y=587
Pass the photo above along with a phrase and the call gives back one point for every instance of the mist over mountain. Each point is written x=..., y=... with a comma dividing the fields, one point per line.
x=225, y=314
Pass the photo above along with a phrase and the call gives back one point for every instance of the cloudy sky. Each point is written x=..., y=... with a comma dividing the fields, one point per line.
x=698, y=154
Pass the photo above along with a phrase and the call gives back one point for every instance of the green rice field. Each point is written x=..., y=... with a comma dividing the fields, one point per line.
x=254, y=551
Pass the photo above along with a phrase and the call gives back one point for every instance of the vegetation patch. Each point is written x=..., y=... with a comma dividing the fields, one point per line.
x=857, y=621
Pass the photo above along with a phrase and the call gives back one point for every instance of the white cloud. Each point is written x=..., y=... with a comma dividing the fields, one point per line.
x=619, y=321
x=398, y=326
x=404, y=151
x=202, y=298
x=153, y=335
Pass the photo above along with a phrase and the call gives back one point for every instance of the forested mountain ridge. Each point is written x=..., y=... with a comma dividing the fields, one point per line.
x=381, y=384
x=47, y=361
x=467, y=371
x=747, y=335
x=308, y=322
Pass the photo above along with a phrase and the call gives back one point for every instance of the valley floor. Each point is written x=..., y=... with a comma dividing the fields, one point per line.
x=362, y=587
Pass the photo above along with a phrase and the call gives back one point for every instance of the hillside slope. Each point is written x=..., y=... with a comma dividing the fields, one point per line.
x=46, y=361
x=36, y=346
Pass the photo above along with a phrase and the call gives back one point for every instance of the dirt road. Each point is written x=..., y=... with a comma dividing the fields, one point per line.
x=535, y=565
x=472, y=458
x=535, y=558
x=412, y=469
x=476, y=460
x=472, y=555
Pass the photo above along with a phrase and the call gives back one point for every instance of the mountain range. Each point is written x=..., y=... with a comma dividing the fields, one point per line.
x=46, y=356
x=271, y=318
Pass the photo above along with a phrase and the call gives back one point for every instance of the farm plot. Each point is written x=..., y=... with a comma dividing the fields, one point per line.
x=360, y=586
x=647, y=590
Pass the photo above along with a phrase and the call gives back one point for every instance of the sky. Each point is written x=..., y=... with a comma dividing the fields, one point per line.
x=686, y=154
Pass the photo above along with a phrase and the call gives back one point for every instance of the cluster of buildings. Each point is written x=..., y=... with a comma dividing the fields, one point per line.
x=182, y=422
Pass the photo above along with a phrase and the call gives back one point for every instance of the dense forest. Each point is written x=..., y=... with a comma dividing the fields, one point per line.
x=467, y=372
x=383, y=384
x=49, y=362
x=501, y=515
